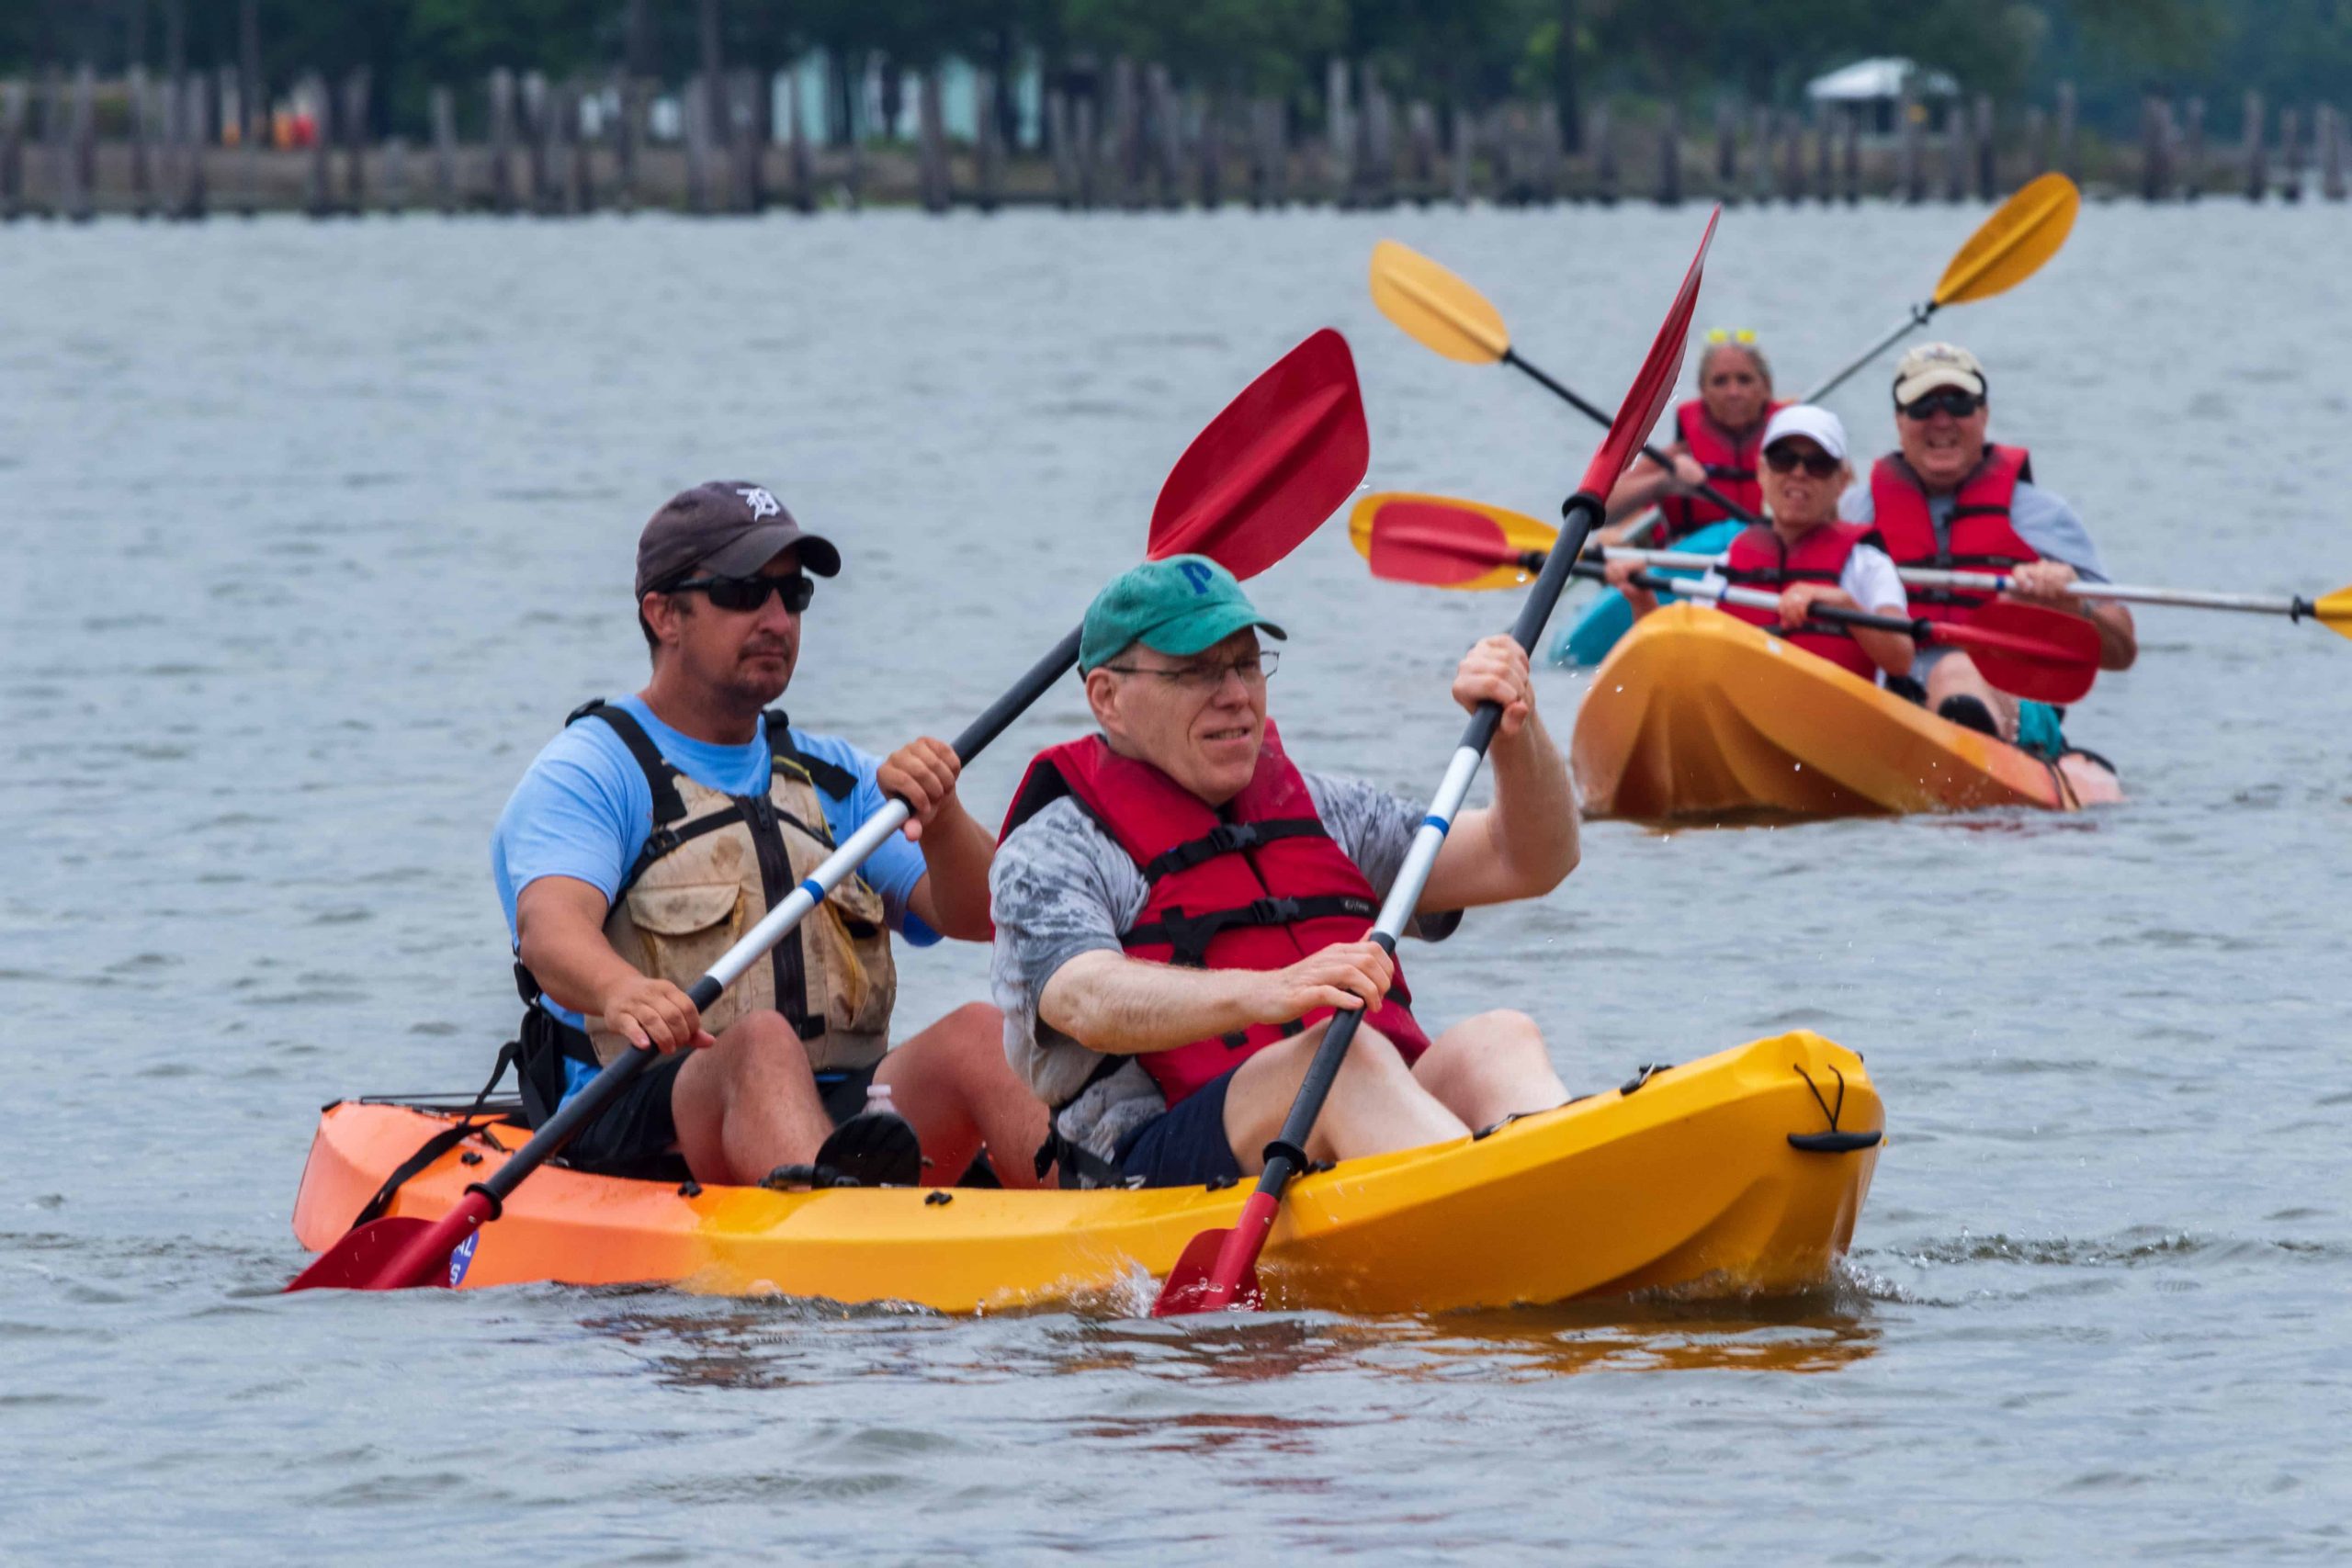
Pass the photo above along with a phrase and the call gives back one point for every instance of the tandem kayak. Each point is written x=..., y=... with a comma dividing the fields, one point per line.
x=1698, y=715
x=1609, y=617
x=1738, y=1174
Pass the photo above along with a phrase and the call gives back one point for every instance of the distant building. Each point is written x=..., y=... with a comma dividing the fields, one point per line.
x=1874, y=89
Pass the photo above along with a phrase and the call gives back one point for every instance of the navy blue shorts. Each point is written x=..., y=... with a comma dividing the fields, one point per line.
x=1186, y=1146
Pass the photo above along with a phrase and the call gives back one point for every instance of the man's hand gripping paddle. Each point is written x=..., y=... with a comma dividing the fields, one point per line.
x=1218, y=1268
x=2025, y=650
x=1281, y=457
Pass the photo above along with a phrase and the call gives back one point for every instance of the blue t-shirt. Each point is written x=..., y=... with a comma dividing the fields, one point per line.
x=584, y=809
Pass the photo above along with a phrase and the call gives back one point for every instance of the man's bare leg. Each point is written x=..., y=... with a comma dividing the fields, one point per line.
x=954, y=1084
x=1489, y=1066
x=1374, y=1105
x=748, y=1104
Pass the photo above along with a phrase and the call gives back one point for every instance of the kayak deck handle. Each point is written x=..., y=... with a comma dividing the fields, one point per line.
x=1834, y=1143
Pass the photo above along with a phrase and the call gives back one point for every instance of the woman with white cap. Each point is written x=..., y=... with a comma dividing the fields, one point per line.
x=1805, y=554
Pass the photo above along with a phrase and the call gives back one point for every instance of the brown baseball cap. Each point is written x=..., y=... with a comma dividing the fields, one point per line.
x=727, y=528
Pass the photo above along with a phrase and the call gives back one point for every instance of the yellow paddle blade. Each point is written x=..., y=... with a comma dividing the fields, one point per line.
x=1434, y=306
x=2012, y=244
x=1447, y=543
x=2334, y=612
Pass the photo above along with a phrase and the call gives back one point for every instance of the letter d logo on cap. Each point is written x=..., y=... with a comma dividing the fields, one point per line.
x=1198, y=575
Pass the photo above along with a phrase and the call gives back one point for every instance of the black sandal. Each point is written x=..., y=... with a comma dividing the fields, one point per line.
x=873, y=1148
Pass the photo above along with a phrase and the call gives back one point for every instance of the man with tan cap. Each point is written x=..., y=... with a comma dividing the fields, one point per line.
x=1180, y=908
x=1950, y=498
x=658, y=828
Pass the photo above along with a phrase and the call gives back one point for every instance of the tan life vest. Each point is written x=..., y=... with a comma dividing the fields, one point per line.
x=715, y=864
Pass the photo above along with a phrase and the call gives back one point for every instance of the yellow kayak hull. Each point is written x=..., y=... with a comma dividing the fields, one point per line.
x=1698, y=715
x=1691, y=1181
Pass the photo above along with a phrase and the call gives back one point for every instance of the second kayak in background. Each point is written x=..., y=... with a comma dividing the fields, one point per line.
x=1699, y=716
x=1609, y=617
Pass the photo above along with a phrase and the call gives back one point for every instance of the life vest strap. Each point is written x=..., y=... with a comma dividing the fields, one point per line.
x=1231, y=838
x=1189, y=935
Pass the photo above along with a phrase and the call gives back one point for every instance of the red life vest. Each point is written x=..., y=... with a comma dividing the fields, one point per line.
x=1757, y=559
x=1730, y=462
x=1981, y=537
x=1258, y=884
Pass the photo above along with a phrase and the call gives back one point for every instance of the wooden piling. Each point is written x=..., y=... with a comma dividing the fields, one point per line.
x=318, y=195
x=538, y=132
x=2152, y=178
x=1164, y=136
x=1208, y=150
x=142, y=100
x=1669, y=158
x=1793, y=166
x=1379, y=187
x=1550, y=154
x=2254, y=155
x=1851, y=163
x=1824, y=144
x=1987, y=154
x=2037, y=141
x=396, y=176
x=1727, y=154
x=195, y=127
x=442, y=109
x=1464, y=149
x=2331, y=153
x=1126, y=134
x=1085, y=138
x=1768, y=172
x=2069, y=155
x=1421, y=132
x=354, y=122
x=13, y=98
x=2190, y=151
x=801, y=171
x=2290, y=154
x=987, y=140
x=1058, y=148
x=930, y=144
x=1955, y=151
x=83, y=190
x=1911, y=175
x=501, y=142
x=1338, y=135
x=579, y=153
x=1600, y=136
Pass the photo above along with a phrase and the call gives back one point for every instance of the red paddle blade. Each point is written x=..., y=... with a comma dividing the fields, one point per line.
x=1282, y=457
x=1428, y=541
x=2046, y=656
x=1647, y=399
x=401, y=1252
x=1190, y=1283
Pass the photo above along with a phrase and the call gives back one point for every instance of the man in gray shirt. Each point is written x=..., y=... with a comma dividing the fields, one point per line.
x=1179, y=909
x=1941, y=410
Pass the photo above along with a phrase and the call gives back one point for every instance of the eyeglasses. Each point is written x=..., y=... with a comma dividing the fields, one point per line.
x=1731, y=334
x=743, y=593
x=1783, y=458
x=1946, y=400
x=1255, y=670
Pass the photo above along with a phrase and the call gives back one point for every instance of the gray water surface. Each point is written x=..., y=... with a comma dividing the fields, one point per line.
x=314, y=532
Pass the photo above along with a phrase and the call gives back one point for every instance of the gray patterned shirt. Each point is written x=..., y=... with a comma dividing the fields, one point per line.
x=1061, y=887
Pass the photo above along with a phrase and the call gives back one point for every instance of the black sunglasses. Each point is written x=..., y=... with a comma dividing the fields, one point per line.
x=1950, y=399
x=741, y=594
x=1783, y=458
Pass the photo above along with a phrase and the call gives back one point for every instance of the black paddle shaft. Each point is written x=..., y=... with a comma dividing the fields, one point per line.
x=1705, y=492
x=1924, y=630
x=586, y=1106
x=1285, y=1157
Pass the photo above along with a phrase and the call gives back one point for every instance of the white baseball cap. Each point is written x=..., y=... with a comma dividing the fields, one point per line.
x=1933, y=364
x=1824, y=429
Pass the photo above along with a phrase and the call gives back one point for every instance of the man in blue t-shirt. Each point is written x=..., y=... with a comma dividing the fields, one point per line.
x=654, y=829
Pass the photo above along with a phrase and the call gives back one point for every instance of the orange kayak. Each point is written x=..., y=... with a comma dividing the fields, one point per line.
x=1728, y=1175
x=1698, y=715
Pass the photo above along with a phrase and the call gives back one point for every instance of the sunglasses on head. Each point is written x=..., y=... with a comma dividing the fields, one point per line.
x=741, y=594
x=1783, y=458
x=1947, y=400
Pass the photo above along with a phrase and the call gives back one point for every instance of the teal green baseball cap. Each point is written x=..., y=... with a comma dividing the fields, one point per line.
x=1177, y=607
